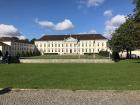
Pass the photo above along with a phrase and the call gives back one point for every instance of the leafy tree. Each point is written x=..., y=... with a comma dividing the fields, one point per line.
x=137, y=10
x=124, y=38
x=23, y=54
x=27, y=54
x=18, y=54
x=31, y=54
x=33, y=41
x=137, y=22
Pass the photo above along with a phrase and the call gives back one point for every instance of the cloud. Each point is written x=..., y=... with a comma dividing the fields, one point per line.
x=114, y=23
x=10, y=31
x=91, y=3
x=89, y=32
x=61, y=26
x=108, y=13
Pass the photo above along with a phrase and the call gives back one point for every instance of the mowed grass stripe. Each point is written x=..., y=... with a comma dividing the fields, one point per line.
x=124, y=75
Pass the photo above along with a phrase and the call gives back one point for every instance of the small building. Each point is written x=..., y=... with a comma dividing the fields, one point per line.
x=72, y=44
x=4, y=48
x=15, y=46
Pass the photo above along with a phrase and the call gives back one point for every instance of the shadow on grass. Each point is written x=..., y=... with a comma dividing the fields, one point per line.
x=136, y=62
x=5, y=90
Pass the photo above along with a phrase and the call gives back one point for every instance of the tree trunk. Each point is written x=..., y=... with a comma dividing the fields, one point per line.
x=130, y=54
x=127, y=55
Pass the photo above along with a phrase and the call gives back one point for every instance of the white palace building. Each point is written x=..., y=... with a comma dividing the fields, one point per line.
x=72, y=44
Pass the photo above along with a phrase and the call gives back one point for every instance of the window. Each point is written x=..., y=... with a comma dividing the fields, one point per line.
x=44, y=44
x=98, y=44
x=89, y=50
x=40, y=45
x=86, y=44
x=102, y=44
x=82, y=44
x=89, y=45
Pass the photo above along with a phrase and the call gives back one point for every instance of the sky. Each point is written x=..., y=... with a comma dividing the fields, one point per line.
x=35, y=18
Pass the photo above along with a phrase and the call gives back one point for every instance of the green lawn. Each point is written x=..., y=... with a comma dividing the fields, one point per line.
x=124, y=75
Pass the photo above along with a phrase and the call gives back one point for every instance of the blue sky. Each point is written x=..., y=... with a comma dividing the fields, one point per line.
x=33, y=18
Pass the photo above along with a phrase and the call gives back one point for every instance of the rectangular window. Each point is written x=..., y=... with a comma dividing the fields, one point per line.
x=102, y=44
x=44, y=44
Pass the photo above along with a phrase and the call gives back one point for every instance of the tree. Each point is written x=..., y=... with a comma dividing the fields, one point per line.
x=23, y=54
x=137, y=10
x=18, y=54
x=137, y=22
x=123, y=39
x=33, y=41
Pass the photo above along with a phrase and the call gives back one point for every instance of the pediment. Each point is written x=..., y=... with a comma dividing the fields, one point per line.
x=71, y=39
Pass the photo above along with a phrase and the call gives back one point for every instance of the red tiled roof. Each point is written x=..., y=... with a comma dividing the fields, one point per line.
x=76, y=36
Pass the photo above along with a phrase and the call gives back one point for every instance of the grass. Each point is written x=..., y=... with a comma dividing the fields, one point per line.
x=124, y=75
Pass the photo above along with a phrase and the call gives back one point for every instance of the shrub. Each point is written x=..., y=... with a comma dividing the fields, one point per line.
x=88, y=53
x=104, y=53
x=50, y=53
x=115, y=56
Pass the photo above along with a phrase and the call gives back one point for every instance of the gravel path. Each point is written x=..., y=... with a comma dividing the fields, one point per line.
x=64, y=97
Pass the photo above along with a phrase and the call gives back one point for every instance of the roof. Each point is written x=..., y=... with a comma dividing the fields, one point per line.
x=13, y=39
x=76, y=36
x=3, y=44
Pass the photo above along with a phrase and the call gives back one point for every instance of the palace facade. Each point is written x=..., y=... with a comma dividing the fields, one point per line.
x=72, y=44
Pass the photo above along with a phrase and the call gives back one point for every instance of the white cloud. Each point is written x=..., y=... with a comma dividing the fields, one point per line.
x=10, y=31
x=113, y=24
x=47, y=24
x=64, y=25
x=108, y=13
x=89, y=32
x=91, y=3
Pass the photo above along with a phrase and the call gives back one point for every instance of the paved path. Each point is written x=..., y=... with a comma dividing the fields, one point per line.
x=61, y=97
